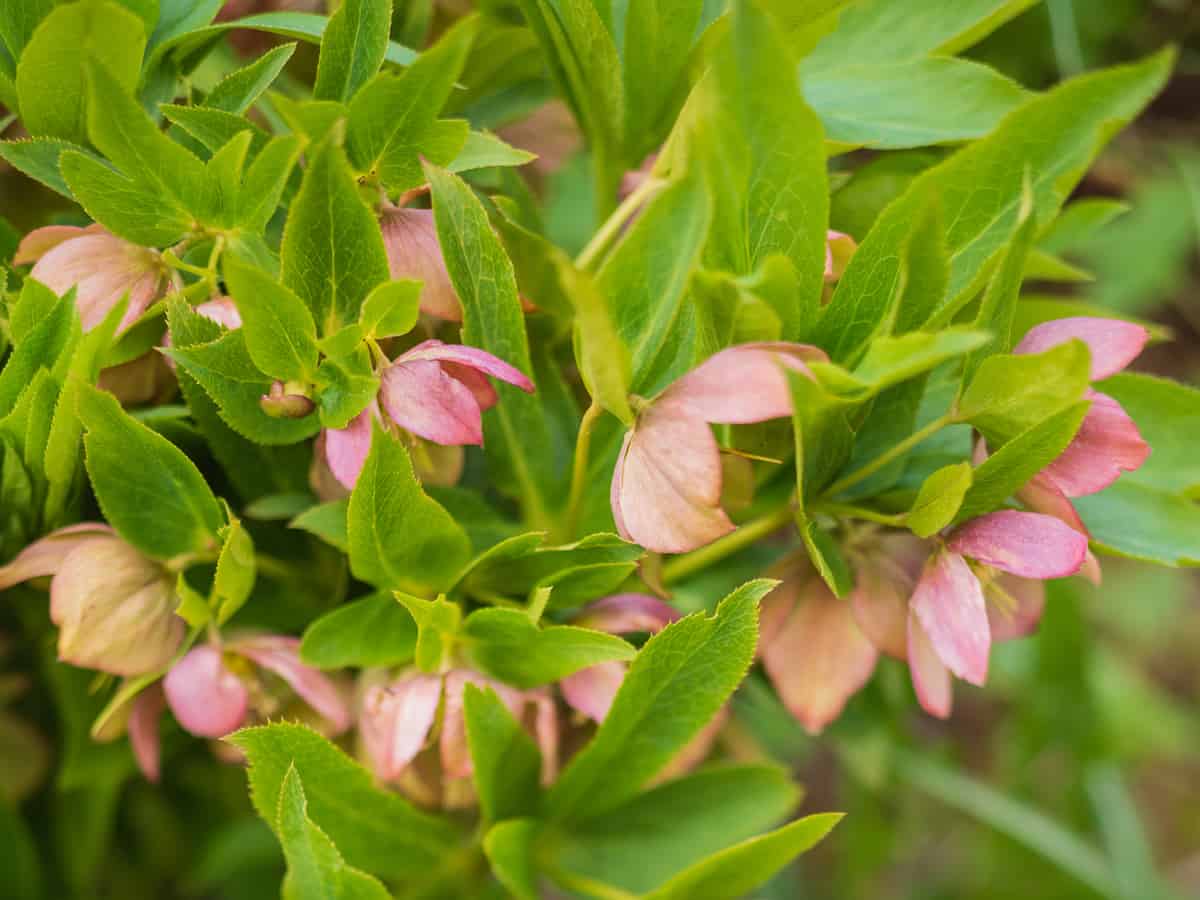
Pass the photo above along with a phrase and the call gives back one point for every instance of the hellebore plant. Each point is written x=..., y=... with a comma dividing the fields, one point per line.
x=415, y=486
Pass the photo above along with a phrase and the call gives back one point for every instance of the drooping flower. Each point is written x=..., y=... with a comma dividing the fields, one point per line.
x=666, y=487
x=101, y=267
x=949, y=627
x=413, y=252
x=114, y=607
x=591, y=691
x=436, y=391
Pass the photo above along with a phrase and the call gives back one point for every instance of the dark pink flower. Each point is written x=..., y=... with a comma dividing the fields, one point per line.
x=666, y=487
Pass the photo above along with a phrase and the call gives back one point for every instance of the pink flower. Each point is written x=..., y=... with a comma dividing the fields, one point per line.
x=949, y=631
x=413, y=252
x=1108, y=442
x=591, y=691
x=114, y=607
x=101, y=267
x=666, y=487
x=436, y=391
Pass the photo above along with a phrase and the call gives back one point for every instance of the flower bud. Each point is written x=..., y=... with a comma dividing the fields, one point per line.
x=114, y=608
x=206, y=698
x=283, y=402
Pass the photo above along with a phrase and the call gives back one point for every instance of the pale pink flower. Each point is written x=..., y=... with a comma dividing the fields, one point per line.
x=114, y=607
x=666, y=487
x=101, y=267
x=413, y=252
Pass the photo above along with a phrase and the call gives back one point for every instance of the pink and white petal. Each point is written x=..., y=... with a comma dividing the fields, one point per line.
x=879, y=602
x=221, y=310
x=667, y=485
x=1107, y=445
x=1041, y=495
x=820, y=659
x=776, y=608
x=396, y=719
x=281, y=655
x=1016, y=612
x=45, y=556
x=545, y=731
x=479, y=385
x=420, y=397
x=931, y=679
x=41, y=241
x=346, y=449
x=471, y=357
x=413, y=251
x=206, y=698
x=591, y=691
x=627, y=614
x=144, y=713
x=1114, y=344
x=949, y=604
x=1028, y=544
x=742, y=384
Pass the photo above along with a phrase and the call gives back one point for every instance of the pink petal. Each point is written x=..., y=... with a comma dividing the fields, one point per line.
x=1028, y=544
x=591, y=691
x=396, y=719
x=1107, y=444
x=879, y=602
x=628, y=614
x=41, y=241
x=472, y=358
x=666, y=489
x=206, y=698
x=931, y=679
x=1091, y=569
x=1114, y=344
x=838, y=250
x=1016, y=612
x=1041, y=495
x=477, y=383
x=742, y=384
x=820, y=659
x=44, y=557
x=346, y=449
x=455, y=753
x=413, y=251
x=545, y=731
x=281, y=655
x=949, y=603
x=420, y=397
x=221, y=310
x=143, y=730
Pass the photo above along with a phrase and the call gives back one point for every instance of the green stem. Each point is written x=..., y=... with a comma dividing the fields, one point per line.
x=598, y=246
x=886, y=457
x=689, y=563
x=849, y=511
x=579, y=469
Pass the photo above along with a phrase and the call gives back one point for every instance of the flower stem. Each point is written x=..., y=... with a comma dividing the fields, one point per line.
x=887, y=456
x=579, y=469
x=598, y=246
x=689, y=563
x=849, y=511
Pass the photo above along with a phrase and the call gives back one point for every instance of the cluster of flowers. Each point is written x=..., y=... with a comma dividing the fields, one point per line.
x=938, y=603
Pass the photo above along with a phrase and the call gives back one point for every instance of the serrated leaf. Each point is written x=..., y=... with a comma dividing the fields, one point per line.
x=373, y=631
x=237, y=569
x=603, y=358
x=281, y=336
x=39, y=159
x=507, y=762
x=135, y=212
x=238, y=91
x=352, y=48
x=390, y=309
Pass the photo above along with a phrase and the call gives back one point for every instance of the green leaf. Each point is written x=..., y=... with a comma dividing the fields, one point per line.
x=509, y=847
x=894, y=105
x=654, y=836
x=1138, y=522
x=508, y=765
x=328, y=522
x=393, y=121
x=520, y=564
x=603, y=359
x=646, y=277
x=398, y=535
x=238, y=91
x=438, y=624
x=265, y=181
x=1080, y=222
x=674, y=686
x=237, y=569
x=823, y=436
x=39, y=159
x=316, y=871
x=825, y=555
x=131, y=210
x=281, y=336
x=373, y=631
x=44, y=346
x=939, y=499
x=1011, y=393
x=507, y=645
x=516, y=432
x=735, y=872
x=147, y=488
x=18, y=20
x=332, y=251
x=352, y=48
x=51, y=79
x=893, y=360
x=347, y=386
x=391, y=309
x=1050, y=139
x=1010, y=467
x=374, y=829
x=1168, y=416
x=483, y=150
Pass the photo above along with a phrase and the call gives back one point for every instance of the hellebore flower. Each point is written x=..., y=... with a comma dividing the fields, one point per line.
x=1108, y=442
x=397, y=718
x=101, y=267
x=591, y=691
x=114, y=607
x=666, y=487
x=949, y=631
x=212, y=690
x=436, y=391
x=410, y=239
